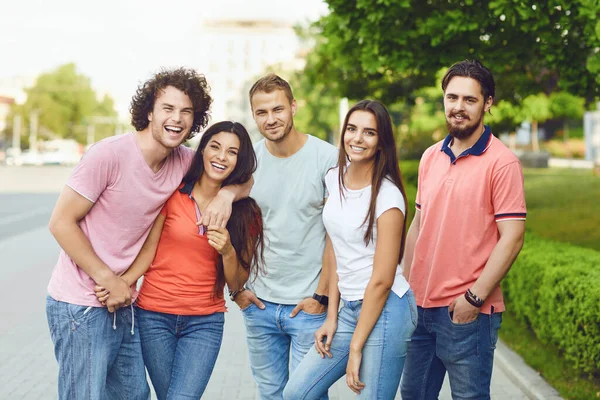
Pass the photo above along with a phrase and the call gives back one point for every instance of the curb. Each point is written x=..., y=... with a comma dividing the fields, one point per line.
x=522, y=375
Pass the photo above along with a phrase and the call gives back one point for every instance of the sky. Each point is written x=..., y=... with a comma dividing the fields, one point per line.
x=120, y=43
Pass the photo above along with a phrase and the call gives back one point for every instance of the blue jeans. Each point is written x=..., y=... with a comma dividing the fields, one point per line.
x=270, y=333
x=438, y=345
x=96, y=361
x=180, y=351
x=382, y=356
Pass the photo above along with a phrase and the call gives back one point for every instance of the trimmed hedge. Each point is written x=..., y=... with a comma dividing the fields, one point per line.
x=555, y=289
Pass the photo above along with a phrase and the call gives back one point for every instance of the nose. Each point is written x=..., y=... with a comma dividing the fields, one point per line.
x=270, y=118
x=176, y=116
x=459, y=105
x=221, y=155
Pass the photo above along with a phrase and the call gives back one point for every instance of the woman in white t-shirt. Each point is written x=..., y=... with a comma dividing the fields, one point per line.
x=365, y=218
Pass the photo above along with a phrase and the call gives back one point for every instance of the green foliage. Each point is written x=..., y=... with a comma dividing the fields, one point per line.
x=387, y=49
x=546, y=360
x=64, y=100
x=566, y=105
x=555, y=289
x=536, y=107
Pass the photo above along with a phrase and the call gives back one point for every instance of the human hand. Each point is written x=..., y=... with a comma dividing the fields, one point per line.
x=326, y=330
x=352, y=371
x=101, y=294
x=218, y=210
x=219, y=239
x=246, y=297
x=118, y=293
x=309, y=306
x=463, y=311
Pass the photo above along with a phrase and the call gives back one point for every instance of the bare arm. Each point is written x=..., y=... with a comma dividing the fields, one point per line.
x=218, y=210
x=324, y=335
x=146, y=255
x=512, y=236
x=411, y=240
x=387, y=250
x=70, y=208
x=505, y=252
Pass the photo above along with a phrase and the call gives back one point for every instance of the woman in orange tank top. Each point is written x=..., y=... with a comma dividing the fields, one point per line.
x=180, y=307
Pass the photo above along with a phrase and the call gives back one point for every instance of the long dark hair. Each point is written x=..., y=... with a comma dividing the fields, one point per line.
x=385, y=165
x=245, y=224
x=245, y=228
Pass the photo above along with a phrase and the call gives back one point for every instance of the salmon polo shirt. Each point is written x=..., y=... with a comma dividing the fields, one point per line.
x=461, y=200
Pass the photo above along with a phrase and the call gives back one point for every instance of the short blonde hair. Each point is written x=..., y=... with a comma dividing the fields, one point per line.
x=270, y=83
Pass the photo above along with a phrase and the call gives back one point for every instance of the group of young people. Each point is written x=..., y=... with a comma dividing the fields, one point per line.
x=309, y=239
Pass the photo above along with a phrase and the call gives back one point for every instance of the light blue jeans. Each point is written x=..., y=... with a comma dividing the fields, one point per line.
x=270, y=334
x=99, y=354
x=382, y=357
x=180, y=351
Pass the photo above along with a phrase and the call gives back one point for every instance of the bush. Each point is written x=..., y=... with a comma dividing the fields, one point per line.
x=574, y=148
x=555, y=289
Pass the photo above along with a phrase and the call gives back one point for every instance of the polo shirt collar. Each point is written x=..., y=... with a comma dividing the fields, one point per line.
x=477, y=149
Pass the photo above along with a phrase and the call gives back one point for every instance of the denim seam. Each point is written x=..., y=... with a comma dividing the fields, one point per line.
x=321, y=375
x=381, y=348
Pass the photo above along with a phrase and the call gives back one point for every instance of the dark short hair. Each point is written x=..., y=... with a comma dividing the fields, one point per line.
x=187, y=80
x=246, y=159
x=475, y=70
x=270, y=83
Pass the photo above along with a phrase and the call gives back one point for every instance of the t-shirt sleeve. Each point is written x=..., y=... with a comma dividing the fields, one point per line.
x=328, y=166
x=389, y=197
x=95, y=172
x=420, y=180
x=330, y=180
x=508, y=194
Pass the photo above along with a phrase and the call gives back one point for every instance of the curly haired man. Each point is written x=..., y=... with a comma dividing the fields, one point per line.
x=101, y=221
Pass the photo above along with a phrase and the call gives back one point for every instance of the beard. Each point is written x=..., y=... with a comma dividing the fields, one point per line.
x=461, y=132
x=286, y=130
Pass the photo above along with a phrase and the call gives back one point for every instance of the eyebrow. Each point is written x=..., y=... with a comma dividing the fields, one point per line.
x=217, y=142
x=366, y=127
x=466, y=97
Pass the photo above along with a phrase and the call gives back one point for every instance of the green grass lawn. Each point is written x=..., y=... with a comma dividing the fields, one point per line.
x=564, y=205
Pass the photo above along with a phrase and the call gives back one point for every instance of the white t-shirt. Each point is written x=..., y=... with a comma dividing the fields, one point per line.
x=343, y=221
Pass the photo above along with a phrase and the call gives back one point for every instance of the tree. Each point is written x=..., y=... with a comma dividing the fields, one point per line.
x=535, y=109
x=389, y=48
x=64, y=100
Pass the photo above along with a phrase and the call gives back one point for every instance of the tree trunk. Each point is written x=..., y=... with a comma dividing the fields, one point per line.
x=535, y=144
x=566, y=139
x=512, y=141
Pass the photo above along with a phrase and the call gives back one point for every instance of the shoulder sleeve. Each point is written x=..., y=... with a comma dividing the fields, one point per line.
x=96, y=171
x=508, y=194
x=389, y=197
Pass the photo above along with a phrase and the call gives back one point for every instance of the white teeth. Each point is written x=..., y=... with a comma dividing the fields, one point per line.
x=175, y=129
x=359, y=149
x=218, y=166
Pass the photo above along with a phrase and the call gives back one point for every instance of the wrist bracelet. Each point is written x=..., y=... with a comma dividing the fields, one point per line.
x=234, y=293
x=473, y=299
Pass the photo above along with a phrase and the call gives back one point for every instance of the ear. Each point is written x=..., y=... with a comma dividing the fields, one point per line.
x=294, y=107
x=150, y=116
x=488, y=104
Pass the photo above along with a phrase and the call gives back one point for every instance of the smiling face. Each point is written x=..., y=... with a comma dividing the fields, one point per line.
x=220, y=156
x=171, y=118
x=361, y=140
x=464, y=107
x=273, y=114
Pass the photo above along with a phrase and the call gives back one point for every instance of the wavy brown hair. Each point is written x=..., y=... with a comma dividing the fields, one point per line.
x=188, y=81
x=385, y=165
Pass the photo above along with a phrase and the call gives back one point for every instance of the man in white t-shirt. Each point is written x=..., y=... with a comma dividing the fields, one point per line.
x=101, y=221
x=284, y=307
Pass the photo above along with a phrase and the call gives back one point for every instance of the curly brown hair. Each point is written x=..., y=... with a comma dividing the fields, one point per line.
x=188, y=81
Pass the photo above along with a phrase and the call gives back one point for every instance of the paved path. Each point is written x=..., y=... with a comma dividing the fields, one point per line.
x=27, y=254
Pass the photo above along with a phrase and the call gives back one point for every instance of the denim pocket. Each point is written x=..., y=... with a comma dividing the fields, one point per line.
x=78, y=314
x=465, y=339
x=495, y=321
x=248, y=307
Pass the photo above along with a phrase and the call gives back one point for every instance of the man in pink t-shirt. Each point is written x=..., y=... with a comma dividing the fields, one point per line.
x=101, y=221
x=467, y=231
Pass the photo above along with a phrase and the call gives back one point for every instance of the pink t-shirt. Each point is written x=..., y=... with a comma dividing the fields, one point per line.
x=127, y=197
